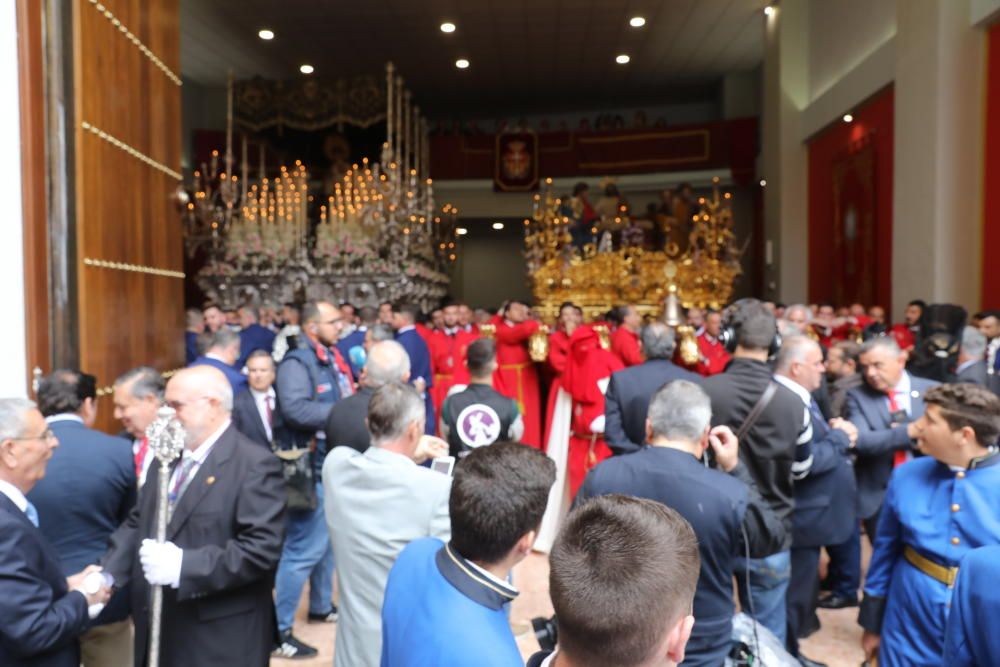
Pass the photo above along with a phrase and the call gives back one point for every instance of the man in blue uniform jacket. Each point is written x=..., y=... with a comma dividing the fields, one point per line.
x=222, y=349
x=937, y=508
x=253, y=336
x=969, y=640
x=43, y=611
x=404, y=320
x=445, y=604
x=824, y=499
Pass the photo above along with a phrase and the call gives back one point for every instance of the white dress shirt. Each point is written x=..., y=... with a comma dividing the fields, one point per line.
x=260, y=398
x=903, y=394
x=64, y=417
x=14, y=494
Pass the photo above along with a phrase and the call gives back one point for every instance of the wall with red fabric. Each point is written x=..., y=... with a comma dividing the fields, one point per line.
x=872, y=127
x=991, y=175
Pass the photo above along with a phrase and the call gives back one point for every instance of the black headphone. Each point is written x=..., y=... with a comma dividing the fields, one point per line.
x=732, y=321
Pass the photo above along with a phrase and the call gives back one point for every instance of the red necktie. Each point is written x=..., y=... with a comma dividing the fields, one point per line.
x=270, y=412
x=900, y=456
x=140, y=456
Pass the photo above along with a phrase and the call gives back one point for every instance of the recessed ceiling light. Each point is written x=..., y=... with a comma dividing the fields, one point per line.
x=497, y=225
x=769, y=10
x=622, y=59
x=637, y=21
x=306, y=69
x=266, y=34
x=763, y=183
x=462, y=63
x=448, y=27
x=848, y=118
x=461, y=231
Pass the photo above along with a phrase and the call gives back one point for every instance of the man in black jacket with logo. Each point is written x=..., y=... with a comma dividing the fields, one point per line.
x=775, y=446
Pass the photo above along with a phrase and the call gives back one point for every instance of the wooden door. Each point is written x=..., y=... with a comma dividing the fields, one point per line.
x=126, y=125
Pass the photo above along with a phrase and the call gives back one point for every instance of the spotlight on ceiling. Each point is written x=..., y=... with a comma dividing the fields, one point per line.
x=461, y=231
x=462, y=63
x=848, y=118
x=769, y=10
x=498, y=225
x=622, y=59
x=637, y=21
x=763, y=183
x=266, y=35
x=306, y=69
x=447, y=27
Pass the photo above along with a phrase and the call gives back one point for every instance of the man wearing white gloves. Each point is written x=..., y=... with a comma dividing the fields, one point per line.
x=224, y=537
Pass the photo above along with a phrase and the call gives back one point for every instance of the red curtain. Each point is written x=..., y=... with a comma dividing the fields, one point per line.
x=850, y=207
x=991, y=175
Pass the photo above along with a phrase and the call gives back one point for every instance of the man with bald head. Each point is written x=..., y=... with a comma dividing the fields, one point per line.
x=224, y=537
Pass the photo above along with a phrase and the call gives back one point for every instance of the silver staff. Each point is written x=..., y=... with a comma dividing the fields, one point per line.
x=166, y=441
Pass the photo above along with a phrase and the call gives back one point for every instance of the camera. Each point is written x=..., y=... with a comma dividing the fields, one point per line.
x=546, y=632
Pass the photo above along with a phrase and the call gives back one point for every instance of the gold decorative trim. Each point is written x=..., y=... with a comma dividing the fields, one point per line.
x=134, y=152
x=135, y=40
x=110, y=389
x=134, y=268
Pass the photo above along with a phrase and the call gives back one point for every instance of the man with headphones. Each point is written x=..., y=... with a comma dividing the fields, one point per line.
x=775, y=434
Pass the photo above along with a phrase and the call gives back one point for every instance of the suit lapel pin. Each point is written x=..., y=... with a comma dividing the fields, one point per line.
x=211, y=480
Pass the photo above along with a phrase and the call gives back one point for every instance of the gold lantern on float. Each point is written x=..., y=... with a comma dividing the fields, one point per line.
x=613, y=267
x=538, y=344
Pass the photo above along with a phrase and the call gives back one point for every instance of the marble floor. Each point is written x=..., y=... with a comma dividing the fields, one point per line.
x=837, y=644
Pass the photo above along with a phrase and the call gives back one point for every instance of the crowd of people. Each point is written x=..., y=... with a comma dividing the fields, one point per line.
x=415, y=458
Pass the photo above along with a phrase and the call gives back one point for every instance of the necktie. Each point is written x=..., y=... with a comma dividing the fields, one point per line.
x=900, y=456
x=182, y=480
x=140, y=456
x=818, y=419
x=270, y=412
x=32, y=514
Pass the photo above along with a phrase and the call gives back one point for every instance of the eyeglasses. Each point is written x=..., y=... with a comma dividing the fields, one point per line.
x=178, y=405
x=47, y=434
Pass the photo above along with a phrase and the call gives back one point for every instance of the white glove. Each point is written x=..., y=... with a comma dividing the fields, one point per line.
x=161, y=563
x=92, y=584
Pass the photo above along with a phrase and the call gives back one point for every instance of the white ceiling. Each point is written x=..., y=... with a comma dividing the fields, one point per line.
x=526, y=55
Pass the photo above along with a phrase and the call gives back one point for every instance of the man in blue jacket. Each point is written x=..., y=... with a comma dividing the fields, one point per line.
x=435, y=588
x=43, y=611
x=222, y=350
x=88, y=490
x=253, y=336
x=311, y=379
x=404, y=321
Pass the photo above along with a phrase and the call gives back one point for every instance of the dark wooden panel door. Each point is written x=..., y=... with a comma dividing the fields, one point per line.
x=127, y=125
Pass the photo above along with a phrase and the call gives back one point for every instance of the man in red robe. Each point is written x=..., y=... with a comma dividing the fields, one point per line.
x=516, y=377
x=570, y=317
x=625, y=339
x=712, y=353
x=448, y=346
x=588, y=371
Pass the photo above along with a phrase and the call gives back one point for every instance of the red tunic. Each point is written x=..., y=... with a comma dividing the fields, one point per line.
x=712, y=355
x=517, y=377
x=448, y=353
x=904, y=337
x=588, y=365
x=625, y=346
x=425, y=332
x=556, y=366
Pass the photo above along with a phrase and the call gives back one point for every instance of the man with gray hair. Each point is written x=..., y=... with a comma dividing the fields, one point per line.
x=972, y=358
x=138, y=394
x=723, y=506
x=627, y=397
x=226, y=525
x=387, y=362
x=376, y=503
x=43, y=611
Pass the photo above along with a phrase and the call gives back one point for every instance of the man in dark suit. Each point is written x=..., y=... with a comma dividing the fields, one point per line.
x=253, y=336
x=723, y=505
x=627, y=398
x=404, y=319
x=347, y=424
x=886, y=410
x=42, y=611
x=972, y=358
x=255, y=412
x=356, y=338
x=88, y=491
x=223, y=538
x=222, y=349
x=195, y=328
x=824, y=499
